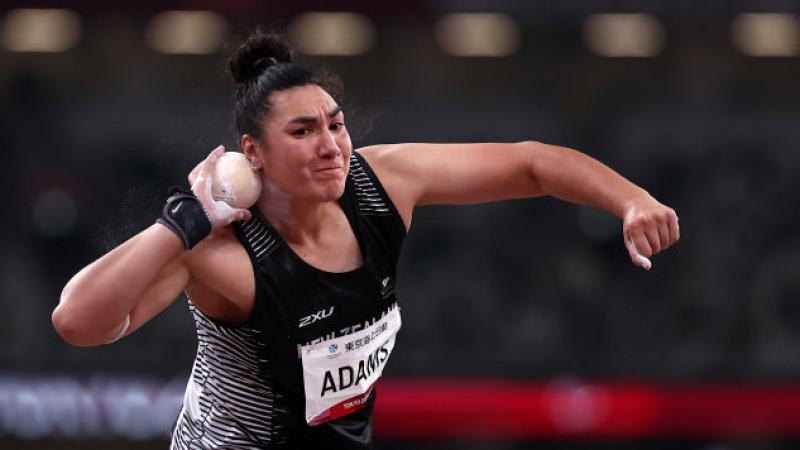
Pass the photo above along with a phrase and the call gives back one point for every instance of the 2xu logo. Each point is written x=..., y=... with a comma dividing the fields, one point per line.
x=319, y=315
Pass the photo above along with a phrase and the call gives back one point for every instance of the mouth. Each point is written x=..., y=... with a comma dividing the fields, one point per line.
x=329, y=170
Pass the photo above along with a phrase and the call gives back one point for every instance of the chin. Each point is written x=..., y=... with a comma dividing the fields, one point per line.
x=334, y=195
x=331, y=192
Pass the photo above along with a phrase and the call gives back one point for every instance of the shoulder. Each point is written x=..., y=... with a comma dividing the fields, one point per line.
x=407, y=163
x=385, y=156
x=391, y=163
x=387, y=163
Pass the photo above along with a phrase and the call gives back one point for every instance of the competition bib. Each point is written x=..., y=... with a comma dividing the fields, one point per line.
x=338, y=374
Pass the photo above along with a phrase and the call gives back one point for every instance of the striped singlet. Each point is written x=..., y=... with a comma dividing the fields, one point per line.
x=299, y=373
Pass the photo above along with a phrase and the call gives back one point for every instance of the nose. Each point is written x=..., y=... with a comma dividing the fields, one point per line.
x=328, y=147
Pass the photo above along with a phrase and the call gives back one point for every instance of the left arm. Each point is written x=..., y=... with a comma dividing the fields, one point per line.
x=425, y=174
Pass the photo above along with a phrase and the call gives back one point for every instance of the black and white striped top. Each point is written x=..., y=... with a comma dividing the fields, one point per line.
x=246, y=387
x=228, y=403
x=371, y=202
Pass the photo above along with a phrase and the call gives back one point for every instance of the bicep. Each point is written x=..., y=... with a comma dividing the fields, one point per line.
x=457, y=173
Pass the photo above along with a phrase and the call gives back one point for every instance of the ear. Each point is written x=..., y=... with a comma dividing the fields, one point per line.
x=251, y=149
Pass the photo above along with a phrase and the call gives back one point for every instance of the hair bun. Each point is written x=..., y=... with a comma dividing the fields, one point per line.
x=257, y=53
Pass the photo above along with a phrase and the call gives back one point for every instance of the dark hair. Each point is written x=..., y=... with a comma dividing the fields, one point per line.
x=263, y=64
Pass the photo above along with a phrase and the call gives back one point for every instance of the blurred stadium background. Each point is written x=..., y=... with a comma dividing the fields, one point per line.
x=525, y=325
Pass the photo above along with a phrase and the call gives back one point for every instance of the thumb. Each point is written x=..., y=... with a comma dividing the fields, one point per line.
x=240, y=215
x=636, y=257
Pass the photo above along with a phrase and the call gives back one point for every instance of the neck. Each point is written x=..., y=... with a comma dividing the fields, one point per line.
x=296, y=220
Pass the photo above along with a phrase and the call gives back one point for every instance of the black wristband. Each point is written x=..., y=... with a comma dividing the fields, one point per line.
x=184, y=214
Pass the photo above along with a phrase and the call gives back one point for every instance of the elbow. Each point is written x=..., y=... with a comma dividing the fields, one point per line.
x=68, y=325
x=535, y=146
x=538, y=161
x=64, y=326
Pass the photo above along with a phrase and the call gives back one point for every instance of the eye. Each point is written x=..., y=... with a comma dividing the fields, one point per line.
x=301, y=132
x=337, y=126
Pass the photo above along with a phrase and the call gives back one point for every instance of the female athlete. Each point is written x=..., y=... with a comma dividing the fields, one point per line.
x=294, y=299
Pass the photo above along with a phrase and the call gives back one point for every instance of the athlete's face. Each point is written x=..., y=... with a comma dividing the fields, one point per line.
x=305, y=146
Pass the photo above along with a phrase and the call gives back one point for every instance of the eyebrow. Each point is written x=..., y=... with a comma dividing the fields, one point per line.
x=311, y=119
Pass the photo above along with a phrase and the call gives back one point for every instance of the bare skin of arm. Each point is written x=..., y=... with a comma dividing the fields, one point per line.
x=139, y=278
x=95, y=302
x=145, y=274
x=426, y=174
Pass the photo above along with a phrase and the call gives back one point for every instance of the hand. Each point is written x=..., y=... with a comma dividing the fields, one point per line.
x=648, y=228
x=202, y=179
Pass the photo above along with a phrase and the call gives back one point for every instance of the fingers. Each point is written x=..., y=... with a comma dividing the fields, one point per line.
x=240, y=215
x=202, y=181
x=663, y=235
x=649, y=228
x=211, y=161
x=674, y=229
x=637, y=248
x=643, y=262
x=194, y=172
x=203, y=175
x=651, y=233
x=668, y=230
x=223, y=214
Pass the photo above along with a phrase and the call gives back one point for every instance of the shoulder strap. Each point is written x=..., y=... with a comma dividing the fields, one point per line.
x=370, y=196
x=375, y=206
x=257, y=237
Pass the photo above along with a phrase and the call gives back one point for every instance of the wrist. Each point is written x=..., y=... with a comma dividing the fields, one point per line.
x=633, y=201
x=185, y=216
